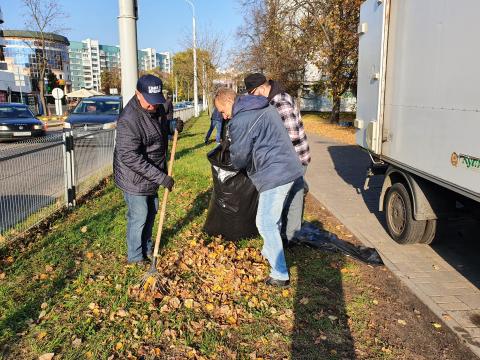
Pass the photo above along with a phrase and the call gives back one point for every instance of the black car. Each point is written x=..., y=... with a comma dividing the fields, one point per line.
x=18, y=122
x=93, y=114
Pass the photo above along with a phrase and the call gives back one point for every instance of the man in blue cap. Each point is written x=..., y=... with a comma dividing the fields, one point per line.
x=140, y=162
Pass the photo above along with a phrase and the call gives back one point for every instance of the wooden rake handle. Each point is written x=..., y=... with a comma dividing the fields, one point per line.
x=165, y=197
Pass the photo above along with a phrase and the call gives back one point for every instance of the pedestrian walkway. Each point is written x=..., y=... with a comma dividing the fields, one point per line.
x=442, y=281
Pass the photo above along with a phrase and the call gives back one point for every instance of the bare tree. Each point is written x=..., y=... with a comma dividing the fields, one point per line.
x=272, y=42
x=43, y=16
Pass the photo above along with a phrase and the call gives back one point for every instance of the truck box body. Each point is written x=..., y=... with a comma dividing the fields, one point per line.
x=418, y=88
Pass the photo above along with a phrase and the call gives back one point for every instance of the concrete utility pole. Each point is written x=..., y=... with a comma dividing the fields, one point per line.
x=203, y=87
x=195, y=90
x=127, y=29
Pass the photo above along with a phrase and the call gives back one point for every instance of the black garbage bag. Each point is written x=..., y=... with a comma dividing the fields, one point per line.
x=234, y=201
x=324, y=240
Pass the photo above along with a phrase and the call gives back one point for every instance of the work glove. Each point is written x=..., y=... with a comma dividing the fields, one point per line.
x=168, y=182
x=179, y=125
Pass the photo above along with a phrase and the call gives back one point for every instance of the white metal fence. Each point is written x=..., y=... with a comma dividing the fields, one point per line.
x=39, y=177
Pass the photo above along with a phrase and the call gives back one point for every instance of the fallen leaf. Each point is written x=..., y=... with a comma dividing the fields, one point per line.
x=188, y=303
x=42, y=314
x=77, y=342
x=375, y=302
x=46, y=356
x=332, y=318
x=209, y=307
x=83, y=229
x=436, y=325
x=2, y=275
x=89, y=255
x=122, y=313
x=118, y=346
x=43, y=276
x=44, y=306
x=41, y=335
x=402, y=322
x=48, y=268
x=9, y=260
x=92, y=306
x=285, y=293
x=304, y=301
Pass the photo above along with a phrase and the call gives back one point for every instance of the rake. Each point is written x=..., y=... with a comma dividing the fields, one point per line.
x=153, y=281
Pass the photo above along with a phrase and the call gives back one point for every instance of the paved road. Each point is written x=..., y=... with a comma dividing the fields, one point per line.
x=32, y=173
x=445, y=276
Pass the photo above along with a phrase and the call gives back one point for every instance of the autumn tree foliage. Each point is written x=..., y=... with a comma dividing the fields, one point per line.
x=282, y=37
x=110, y=79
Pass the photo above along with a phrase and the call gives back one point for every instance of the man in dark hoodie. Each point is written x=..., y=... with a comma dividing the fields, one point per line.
x=260, y=144
x=139, y=162
x=257, y=84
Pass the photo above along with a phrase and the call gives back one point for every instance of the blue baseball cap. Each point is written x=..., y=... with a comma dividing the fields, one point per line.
x=151, y=88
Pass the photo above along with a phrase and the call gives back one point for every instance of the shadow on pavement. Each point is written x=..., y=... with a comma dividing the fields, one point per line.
x=457, y=238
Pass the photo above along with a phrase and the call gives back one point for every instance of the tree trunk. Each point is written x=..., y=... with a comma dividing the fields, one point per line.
x=41, y=89
x=335, y=115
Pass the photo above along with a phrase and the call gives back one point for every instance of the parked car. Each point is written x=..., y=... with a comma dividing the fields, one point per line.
x=18, y=122
x=93, y=114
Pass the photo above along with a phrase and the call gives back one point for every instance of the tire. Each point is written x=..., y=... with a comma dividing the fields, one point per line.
x=402, y=227
x=430, y=231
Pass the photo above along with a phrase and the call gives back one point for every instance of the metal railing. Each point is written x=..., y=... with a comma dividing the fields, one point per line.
x=41, y=176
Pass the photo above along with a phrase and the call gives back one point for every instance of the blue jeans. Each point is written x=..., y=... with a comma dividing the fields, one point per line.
x=292, y=216
x=213, y=125
x=140, y=220
x=269, y=213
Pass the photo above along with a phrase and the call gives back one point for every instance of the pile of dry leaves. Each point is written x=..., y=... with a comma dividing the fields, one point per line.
x=217, y=285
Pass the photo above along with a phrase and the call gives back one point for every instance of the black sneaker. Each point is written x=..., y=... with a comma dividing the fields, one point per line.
x=275, y=282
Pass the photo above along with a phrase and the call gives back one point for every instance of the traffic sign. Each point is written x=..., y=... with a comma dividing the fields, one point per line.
x=57, y=93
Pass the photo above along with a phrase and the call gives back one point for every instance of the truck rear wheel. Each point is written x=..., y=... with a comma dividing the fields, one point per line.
x=403, y=228
x=430, y=231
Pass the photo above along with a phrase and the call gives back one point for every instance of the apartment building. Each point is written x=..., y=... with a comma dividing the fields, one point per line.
x=88, y=59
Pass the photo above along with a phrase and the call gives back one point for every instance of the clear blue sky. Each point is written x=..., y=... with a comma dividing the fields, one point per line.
x=162, y=24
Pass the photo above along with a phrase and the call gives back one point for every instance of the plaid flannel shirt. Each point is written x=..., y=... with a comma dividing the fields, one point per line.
x=292, y=120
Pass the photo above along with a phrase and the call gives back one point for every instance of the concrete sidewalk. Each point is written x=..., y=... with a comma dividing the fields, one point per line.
x=446, y=283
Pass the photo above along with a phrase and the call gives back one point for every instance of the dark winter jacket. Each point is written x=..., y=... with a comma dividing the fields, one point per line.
x=260, y=144
x=139, y=158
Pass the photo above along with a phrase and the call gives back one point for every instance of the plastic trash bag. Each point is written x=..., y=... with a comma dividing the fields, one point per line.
x=233, y=205
x=311, y=235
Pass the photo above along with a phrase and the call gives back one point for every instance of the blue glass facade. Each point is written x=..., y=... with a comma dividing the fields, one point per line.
x=25, y=49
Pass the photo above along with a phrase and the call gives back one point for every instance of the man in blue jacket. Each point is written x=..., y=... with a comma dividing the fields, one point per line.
x=260, y=144
x=140, y=162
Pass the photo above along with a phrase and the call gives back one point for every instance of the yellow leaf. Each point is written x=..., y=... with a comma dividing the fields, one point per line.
x=209, y=307
x=43, y=276
x=118, y=346
x=41, y=335
x=89, y=355
x=188, y=303
x=285, y=293
x=231, y=320
x=436, y=325
x=92, y=306
x=89, y=255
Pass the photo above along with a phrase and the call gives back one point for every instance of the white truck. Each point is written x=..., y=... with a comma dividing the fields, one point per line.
x=418, y=109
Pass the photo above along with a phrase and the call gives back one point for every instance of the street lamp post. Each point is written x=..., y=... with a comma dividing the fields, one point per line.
x=127, y=25
x=195, y=90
